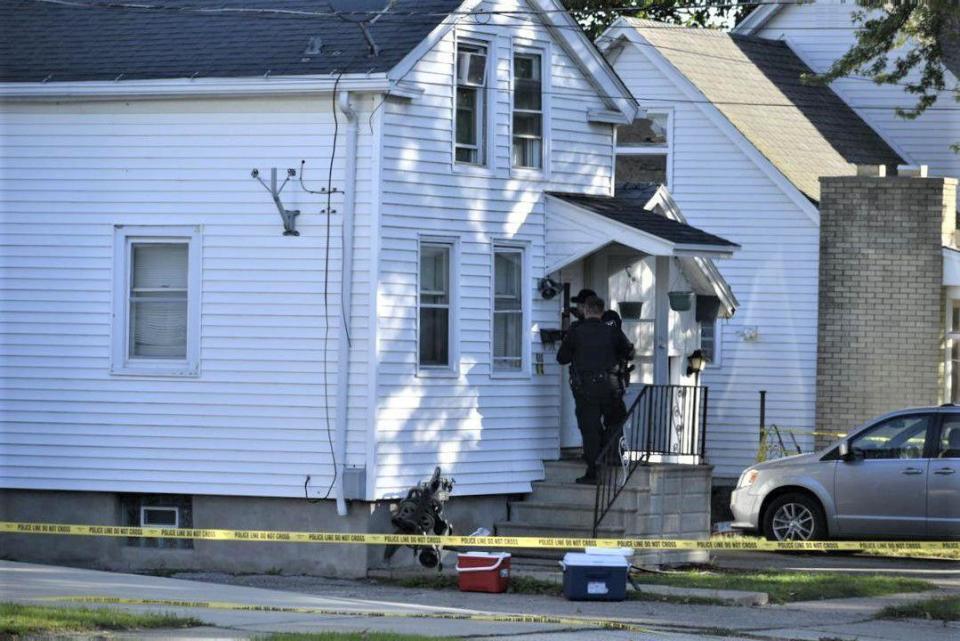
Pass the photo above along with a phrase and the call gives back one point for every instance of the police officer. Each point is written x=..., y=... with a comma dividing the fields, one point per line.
x=593, y=349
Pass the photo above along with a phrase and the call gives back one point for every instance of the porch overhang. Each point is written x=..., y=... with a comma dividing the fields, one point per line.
x=579, y=225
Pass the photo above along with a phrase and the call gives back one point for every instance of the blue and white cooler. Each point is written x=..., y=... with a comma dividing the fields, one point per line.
x=594, y=577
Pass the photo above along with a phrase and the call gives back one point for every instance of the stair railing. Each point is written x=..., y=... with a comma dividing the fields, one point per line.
x=667, y=421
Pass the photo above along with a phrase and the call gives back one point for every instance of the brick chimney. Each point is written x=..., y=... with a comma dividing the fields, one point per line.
x=880, y=333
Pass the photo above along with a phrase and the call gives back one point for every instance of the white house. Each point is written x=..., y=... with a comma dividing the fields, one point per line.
x=741, y=143
x=171, y=356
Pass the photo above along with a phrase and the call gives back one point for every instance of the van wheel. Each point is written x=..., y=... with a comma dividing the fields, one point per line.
x=794, y=517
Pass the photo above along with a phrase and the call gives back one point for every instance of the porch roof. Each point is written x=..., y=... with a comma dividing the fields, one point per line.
x=625, y=218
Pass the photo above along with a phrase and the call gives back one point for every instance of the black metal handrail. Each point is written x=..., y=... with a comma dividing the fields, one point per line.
x=669, y=420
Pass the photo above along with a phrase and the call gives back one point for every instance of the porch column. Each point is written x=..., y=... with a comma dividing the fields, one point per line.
x=661, y=322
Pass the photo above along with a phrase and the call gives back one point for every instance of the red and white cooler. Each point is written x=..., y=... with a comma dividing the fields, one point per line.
x=483, y=571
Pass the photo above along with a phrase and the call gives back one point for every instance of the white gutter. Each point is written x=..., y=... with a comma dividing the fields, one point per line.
x=346, y=294
x=173, y=88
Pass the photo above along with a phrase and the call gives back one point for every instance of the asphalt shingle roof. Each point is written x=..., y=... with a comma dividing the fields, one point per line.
x=627, y=207
x=805, y=130
x=58, y=42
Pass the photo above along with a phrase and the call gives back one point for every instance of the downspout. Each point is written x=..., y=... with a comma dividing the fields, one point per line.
x=346, y=295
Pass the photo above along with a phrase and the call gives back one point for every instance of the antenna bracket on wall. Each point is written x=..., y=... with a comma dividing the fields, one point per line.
x=288, y=216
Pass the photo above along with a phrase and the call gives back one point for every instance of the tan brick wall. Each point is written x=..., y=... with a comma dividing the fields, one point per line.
x=880, y=331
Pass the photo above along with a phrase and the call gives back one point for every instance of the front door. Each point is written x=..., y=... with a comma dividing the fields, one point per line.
x=943, y=482
x=883, y=492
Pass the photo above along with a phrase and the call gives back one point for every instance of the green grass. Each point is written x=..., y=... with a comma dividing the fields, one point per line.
x=529, y=585
x=19, y=620
x=348, y=636
x=785, y=587
x=941, y=609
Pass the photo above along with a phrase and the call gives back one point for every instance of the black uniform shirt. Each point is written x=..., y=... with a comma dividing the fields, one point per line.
x=593, y=347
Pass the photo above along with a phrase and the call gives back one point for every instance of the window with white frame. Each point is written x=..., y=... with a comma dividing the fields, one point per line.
x=527, y=111
x=435, y=296
x=710, y=341
x=508, y=309
x=643, y=150
x=156, y=301
x=470, y=130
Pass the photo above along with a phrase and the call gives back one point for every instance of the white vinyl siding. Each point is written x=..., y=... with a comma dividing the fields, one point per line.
x=774, y=276
x=253, y=422
x=490, y=434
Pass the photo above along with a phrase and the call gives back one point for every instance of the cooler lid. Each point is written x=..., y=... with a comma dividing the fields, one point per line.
x=594, y=560
x=486, y=555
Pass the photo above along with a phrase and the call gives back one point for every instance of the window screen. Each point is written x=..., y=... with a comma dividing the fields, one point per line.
x=158, y=301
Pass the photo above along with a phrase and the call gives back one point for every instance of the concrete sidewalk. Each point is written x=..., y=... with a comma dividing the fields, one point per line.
x=666, y=622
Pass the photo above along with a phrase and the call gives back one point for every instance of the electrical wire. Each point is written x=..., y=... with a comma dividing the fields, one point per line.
x=328, y=212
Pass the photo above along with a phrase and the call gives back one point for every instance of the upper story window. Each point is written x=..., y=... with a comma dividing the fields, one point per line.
x=527, y=111
x=643, y=150
x=156, y=301
x=508, y=310
x=435, y=296
x=471, y=101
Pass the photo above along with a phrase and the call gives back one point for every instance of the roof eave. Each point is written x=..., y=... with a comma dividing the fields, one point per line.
x=200, y=87
x=757, y=19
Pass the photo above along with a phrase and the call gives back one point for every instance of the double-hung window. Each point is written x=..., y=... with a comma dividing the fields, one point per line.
x=643, y=150
x=435, y=324
x=156, y=301
x=508, y=334
x=527, y=111
x=471, y=98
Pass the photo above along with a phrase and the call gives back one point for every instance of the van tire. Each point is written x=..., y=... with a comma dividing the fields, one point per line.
x=794, y=517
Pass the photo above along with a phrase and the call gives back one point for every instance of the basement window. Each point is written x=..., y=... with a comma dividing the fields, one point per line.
x=170, y=511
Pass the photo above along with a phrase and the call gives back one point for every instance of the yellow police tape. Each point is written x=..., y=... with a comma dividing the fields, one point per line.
x=609, y=624
x=10, y=527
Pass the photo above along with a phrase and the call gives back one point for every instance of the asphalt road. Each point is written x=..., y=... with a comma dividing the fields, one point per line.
x=845, y=619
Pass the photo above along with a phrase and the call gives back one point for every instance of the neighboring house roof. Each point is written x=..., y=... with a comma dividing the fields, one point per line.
x=805, y=130
x=950, y=31
x=63, y=42
x=628, y=207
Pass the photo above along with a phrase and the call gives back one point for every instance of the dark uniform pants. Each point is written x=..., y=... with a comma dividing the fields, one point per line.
x=600, y=411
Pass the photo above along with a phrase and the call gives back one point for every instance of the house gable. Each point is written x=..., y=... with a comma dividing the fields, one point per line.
x=621, y=33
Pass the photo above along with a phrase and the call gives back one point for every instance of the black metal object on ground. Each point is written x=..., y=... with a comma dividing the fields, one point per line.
x=421, y=512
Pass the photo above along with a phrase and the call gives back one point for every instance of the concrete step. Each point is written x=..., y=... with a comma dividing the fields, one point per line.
x=570, y=471
x=558, y=514
x=563, y=471
x=582, y=495
x=525, y=528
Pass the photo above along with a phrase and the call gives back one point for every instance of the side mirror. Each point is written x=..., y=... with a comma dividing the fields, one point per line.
x=845, y=453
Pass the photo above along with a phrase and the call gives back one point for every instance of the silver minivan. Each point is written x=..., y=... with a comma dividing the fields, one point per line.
x=897, y=476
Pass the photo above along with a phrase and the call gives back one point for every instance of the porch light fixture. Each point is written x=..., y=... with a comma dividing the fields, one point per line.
x=695, y=362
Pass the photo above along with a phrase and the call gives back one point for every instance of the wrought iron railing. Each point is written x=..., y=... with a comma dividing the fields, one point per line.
x=665, y=421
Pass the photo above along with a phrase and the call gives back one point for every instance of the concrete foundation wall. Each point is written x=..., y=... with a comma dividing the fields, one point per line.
x=221, y=512
x=881, y=329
